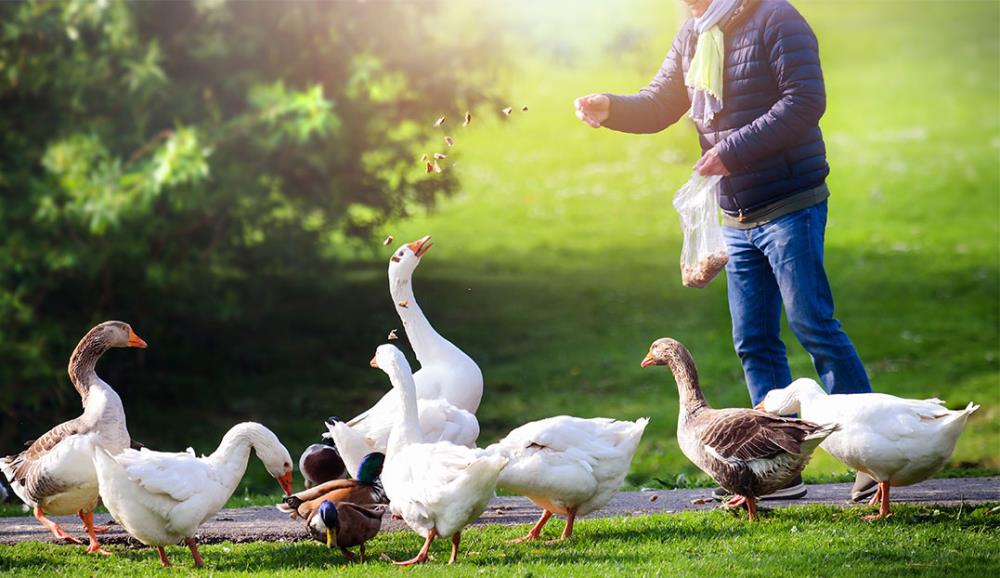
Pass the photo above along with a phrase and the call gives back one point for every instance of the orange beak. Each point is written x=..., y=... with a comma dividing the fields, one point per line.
x=648, y=360
x=759, y=406
x=286, y=483
x=134, y=340
x=373, y=363
x=420, y=246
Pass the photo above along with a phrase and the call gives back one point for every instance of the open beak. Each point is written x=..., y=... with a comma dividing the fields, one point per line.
x=329, y=538
x=286, y=483
x=420, y=246
x=648, y=360
x=134, y=340
x=759, y=407
x=373, y=363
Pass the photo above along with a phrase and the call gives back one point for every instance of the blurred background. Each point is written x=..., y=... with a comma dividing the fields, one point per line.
x=221, y=175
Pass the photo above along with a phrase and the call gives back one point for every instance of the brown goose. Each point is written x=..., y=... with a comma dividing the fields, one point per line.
x=56, y=475
x=748, y=452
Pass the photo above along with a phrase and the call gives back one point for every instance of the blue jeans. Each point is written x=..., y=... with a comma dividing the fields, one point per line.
x=781, y=263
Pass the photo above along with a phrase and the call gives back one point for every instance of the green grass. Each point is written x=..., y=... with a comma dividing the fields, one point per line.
x=800, y=541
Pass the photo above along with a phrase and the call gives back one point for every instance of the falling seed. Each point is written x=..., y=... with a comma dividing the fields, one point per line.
x=395, y=259
x=468, y=118
x=392, y=335
x=437, y=167
x=387, y=241
x=449, y=141
x=404, y=303
x=524, y=108
x=440, y=156
x=654, y=497
x=439, y=122
x=430, y=167
x=423, y=158
x=507, y=111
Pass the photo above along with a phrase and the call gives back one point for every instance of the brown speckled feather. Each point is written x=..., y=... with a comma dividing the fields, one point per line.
x=748, y=434
x=25, y=465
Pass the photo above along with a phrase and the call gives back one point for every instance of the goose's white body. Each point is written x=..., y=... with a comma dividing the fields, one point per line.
x=440, y=485
x=163, y=497
x=564, y=462
x=896, y=440
x=66, y=479
x=439, y=421
x=449, y=384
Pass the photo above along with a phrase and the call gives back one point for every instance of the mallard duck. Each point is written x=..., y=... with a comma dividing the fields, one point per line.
x=366, y=489
x=161, y=498
x=896, y=441
x=748, y=452
x=346, y=525
x=321, y=463
x=567, y=465
x=437, y=488
x=55, y=475
x=449, y=384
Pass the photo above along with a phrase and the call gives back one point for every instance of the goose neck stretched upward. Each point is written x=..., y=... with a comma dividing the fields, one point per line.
x=406, y=430
x=425, y=341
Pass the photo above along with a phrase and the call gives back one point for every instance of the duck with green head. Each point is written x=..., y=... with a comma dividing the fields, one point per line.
x=345, y=525
x=365, y=490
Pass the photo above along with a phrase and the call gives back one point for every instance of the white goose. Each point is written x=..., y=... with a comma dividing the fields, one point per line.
x=568, y=465
x=437, y=488
x=55, y=475
x=449, y=384
x=161, y=498
x=896, y=441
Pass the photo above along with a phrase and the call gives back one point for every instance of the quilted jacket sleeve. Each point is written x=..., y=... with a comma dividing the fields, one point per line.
x=793, y=54
x=657, y=106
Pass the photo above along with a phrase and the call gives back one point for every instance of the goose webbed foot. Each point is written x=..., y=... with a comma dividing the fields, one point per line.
x=536, y=530
x=88, y=522
x=57, y=531
x=421, y=556
x=881, y=498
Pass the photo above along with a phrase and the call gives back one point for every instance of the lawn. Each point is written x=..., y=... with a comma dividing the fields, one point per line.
x=556, y=264
x=808, y=541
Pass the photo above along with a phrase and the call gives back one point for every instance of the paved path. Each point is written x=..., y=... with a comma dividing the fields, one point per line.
x=268, y=524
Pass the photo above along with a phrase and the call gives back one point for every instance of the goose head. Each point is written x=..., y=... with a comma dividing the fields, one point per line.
x=113, y=334
x=788, y=400
x=665, y=351
x=275, y=457
x=392, y=361
x=405, y=259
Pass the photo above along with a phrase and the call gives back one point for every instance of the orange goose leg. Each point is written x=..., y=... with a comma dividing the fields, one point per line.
x=882, y=497
x=421, y=556
x=198, y=562
x=88, y=523
x=536, y=531
x=53, y=527
x=752, y=508
x=455, y=539
x=568, y=530
x=163, y=557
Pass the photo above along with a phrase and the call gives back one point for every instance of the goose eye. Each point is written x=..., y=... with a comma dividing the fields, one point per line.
x=400, y=253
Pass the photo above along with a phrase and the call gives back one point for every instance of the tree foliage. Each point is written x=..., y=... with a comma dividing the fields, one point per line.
x=170, y=163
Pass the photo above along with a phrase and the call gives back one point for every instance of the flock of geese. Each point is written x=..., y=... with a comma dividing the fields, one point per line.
x=415, y=450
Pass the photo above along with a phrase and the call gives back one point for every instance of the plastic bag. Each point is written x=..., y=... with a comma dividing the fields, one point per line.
x=704, y=253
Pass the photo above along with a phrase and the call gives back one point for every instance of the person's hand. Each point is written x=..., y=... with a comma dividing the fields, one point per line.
x=593, y=109
x=711, y=164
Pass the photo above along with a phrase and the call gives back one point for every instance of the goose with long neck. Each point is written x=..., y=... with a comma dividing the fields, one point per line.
x=748, y=452
x=896, y=441
x=437, y=488
x=55, y=475
x=448, y=385
x=161, y=498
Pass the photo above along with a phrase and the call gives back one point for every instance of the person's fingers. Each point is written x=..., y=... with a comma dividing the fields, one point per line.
x=587, y=119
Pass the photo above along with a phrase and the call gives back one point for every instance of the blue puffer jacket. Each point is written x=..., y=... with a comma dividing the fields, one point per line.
x=768, y=132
